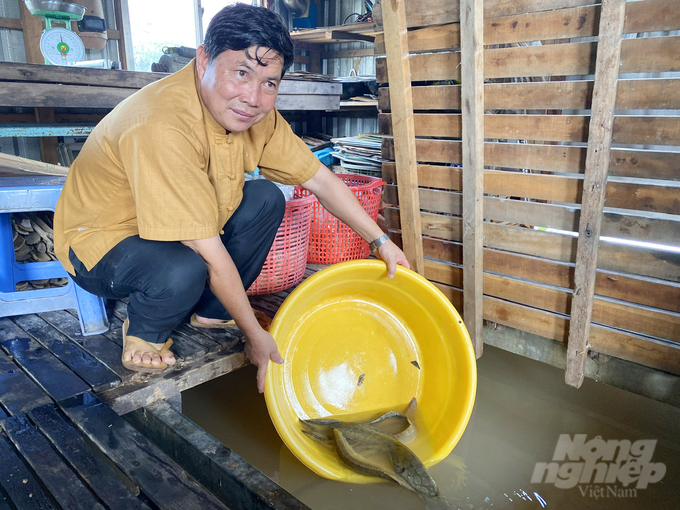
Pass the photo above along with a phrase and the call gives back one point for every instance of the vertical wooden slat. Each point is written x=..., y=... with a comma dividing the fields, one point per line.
x=122, y=14
x=32, y=27
x=48, y=144
x=597, y=166
x=472, y=101
x=399, y=72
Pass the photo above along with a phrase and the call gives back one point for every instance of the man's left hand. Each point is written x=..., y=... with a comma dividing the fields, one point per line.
x=392, y=255
x=260, y=348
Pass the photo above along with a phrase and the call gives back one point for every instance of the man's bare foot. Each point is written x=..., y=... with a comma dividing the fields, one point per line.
x=206, y=320
x=142, y=356
x=139, y=353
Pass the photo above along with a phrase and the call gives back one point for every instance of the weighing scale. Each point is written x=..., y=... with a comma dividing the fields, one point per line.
x=60, y=46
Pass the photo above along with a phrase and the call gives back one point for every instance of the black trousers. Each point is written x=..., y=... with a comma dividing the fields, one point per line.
x=165, y=280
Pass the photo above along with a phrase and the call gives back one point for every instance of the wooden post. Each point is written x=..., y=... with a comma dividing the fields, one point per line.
x=122, y=14
x=592, y=203
x=399, y=72
x=32, y=27
x=48, y=144
x=472, y=101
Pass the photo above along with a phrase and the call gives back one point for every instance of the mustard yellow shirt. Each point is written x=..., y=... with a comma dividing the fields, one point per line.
x=159, y=165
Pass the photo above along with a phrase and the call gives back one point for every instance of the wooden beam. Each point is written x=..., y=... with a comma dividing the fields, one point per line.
x=48, y=145
x=622, y=315
x=365, y=52
x=628, y=129
x=32, y=27
x=629, y=346
x=352, y=31
x=597, y=166
x=437, y=12
x=340, y=35
x=21, y=72
x=59, y=479
x=638, y=94
x=43, y=96
x=580, y=21
x=633, y=260
x=634, y=226
x=646, y=55
x=11, y=23
x=127, y=398
x=637, y=163
x=123, y=26
x=396, y=49
x=641, y=195
x=315, y=61
x=472, y=98
x=158, y=477
x=633, y=289
x=216, y=467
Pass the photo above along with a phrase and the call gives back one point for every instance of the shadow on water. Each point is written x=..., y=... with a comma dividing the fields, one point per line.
x=522, y=409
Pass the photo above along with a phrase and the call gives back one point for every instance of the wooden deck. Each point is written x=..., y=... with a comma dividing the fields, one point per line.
x=63, y=443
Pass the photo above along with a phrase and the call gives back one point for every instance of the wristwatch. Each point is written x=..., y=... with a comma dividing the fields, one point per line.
x=377, y=243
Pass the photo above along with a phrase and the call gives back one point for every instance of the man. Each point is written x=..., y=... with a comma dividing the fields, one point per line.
x=155, y=207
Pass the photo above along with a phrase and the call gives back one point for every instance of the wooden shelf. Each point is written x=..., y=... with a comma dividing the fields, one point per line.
x=36, y=85
x=337, y=34
x=350, y=105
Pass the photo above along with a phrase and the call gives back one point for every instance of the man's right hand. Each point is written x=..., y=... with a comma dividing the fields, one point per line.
x=260, y=348
x=225, y=283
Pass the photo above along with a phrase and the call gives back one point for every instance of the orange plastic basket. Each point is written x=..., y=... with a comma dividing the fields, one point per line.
x=331, y=241
x=287, y=258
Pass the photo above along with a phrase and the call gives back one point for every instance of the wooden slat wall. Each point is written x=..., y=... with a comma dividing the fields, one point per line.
x=537, y=93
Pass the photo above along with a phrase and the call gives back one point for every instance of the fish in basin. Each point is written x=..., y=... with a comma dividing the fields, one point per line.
x=376, y=447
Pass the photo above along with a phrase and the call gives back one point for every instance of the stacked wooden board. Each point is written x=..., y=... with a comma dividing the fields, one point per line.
x=66, y=87
x=539, y=68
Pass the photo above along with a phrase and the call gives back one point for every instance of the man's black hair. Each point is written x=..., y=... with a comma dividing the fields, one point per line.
x=240, y=26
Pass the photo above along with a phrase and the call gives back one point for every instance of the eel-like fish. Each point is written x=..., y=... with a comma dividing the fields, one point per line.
x=408, y=471
x=362, y=445
x=401, y=426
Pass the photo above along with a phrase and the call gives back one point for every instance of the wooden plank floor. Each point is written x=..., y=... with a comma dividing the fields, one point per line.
x=61, y=395
x=52, y=457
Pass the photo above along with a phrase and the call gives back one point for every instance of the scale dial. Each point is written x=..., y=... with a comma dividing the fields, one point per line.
x=61, y=47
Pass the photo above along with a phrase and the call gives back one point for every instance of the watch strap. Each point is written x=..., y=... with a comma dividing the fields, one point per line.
x=377, y=243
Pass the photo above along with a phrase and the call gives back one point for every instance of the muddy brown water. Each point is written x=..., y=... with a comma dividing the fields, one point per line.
x=524, y=416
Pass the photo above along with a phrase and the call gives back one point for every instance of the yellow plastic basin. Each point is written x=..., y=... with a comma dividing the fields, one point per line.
x=356, y=344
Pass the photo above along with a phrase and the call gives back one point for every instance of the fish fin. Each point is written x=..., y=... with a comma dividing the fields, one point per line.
x=319, y=437
x=410, y=412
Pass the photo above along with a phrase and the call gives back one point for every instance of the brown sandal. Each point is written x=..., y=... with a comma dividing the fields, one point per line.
x=261, y=317
x=145, y=368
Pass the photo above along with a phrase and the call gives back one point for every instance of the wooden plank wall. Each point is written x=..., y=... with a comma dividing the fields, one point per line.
x=539, y=62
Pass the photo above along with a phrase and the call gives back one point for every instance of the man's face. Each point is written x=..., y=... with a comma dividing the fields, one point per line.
x=237, y=91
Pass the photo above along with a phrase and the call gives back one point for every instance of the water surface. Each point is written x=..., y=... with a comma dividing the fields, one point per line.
x=522, y=409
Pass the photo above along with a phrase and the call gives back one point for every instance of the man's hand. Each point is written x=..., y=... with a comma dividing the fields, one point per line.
x=225, y=282
x=260, y=348
x=392, y=255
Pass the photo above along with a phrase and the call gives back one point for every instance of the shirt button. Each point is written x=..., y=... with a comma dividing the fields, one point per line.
x=232, y=176
x=229, y=140
x=230, y=208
